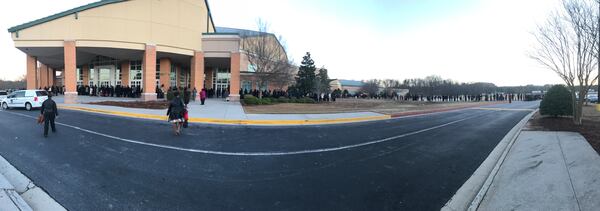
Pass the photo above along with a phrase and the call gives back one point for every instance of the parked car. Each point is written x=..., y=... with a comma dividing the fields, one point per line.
x=28, y=99
x=593, y=98
x=3, y=95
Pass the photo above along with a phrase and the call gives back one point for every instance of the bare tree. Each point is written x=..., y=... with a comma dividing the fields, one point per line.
x=370, y=87
x=266, y=56
x=284, y=78
x=567, y=45
x=389, y=85
x=598, y=44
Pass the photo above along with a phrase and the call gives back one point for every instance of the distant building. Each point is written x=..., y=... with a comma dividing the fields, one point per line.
x=352, y=86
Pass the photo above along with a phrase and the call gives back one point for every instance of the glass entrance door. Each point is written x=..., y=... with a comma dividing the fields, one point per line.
x=106, y=75
x=221, y=78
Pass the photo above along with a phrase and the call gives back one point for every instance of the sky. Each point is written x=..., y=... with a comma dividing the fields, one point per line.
x=463, y=40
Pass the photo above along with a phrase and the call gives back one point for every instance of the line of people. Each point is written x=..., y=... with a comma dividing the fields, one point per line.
x=54, y=89
x=110, y=91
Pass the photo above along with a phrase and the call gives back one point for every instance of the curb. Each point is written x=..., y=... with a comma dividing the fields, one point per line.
x=9, y=198
x=471, y=193
x=25, y=194
x=233, y=121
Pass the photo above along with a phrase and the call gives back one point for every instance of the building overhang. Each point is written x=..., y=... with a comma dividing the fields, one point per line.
x=220, y=45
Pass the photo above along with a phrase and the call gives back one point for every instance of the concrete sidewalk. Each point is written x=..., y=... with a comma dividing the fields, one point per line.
x=17, y=192
x=219, y=111
x=546, y=171
x=9, y=198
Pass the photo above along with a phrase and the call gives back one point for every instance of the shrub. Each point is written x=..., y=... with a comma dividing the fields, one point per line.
x=266, y=101
x=283, y=100
x=306, y=100
x=251, y=100
x=557, y=102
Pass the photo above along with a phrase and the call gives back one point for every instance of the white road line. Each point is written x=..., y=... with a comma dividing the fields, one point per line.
x=256, y=153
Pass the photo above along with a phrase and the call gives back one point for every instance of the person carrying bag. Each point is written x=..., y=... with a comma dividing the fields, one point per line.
x=176, y=112
x=48, y=113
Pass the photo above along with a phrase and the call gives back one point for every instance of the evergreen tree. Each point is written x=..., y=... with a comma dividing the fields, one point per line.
x=305, y=80
x=323, y=81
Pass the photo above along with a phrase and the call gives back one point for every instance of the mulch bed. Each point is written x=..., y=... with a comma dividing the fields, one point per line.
x=135, y=104
x=590, y=129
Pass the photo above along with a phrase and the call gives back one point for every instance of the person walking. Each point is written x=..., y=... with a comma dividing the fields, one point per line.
x=49, y=111
x=175, y=113
x=202, y=96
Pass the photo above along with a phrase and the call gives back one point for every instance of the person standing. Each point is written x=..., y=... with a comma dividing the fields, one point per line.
x=202, y=96
x=186, y=96
x=49, y=111
x=194, y=94
x=175, y=113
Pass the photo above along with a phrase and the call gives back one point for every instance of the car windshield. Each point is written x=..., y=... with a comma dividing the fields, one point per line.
x=41, y=93
x=3, y=93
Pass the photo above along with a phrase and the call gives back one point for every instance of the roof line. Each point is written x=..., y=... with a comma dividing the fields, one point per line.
x=82, y=8
x=63, y=14
x=210, y=16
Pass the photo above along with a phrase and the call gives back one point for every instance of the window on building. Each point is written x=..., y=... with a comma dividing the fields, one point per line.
x=173, y=76
x=182, y=77
x=247, y=86
x=118, y=76
x=251, y=68
x=92, y=74
x=157, y=72
x=135, y=73
x=262, y=88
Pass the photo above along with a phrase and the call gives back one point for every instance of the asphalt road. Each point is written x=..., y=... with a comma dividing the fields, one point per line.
x=100, y=162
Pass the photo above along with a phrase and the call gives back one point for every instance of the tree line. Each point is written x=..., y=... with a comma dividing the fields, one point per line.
x=437, y=86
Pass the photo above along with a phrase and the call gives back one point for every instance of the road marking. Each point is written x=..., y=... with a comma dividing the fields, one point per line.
x=256, y=153
x=504, y=109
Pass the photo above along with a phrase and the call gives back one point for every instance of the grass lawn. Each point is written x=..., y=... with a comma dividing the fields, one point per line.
x=355, y=105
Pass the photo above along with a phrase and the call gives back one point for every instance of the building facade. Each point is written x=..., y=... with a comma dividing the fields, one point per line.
x=135, y=43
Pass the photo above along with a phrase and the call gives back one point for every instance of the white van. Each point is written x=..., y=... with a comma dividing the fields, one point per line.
x=27, y=99
x=3, y=94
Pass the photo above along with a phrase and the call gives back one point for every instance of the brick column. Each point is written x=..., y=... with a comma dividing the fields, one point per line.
x=125, y=73
x=165, y=72
x=51, y=76
x=43, y=73
x=85, y=74
x=149, y=73
x=197, y=71
x=70, y=76
x=31, y=72
x=234, y=82
x=208, y=73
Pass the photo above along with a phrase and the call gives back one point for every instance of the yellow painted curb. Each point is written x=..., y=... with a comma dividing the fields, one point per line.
x=233, y=121
x=598, y=107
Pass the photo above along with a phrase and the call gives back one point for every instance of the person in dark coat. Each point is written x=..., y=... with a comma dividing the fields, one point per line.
x=50, y=112
x=186, y=96
x=175, y=113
